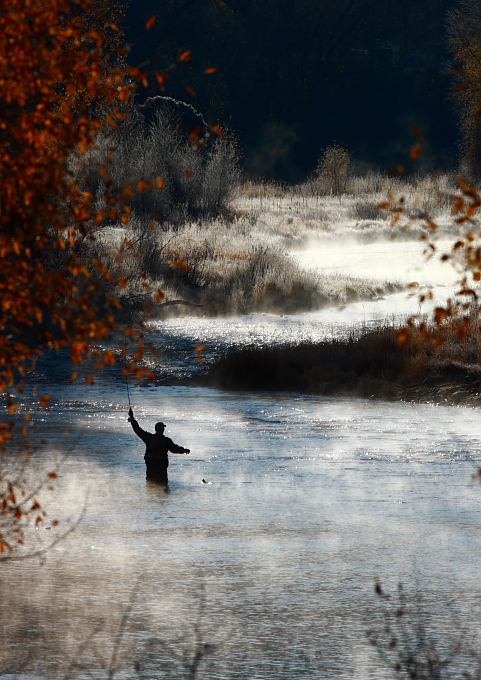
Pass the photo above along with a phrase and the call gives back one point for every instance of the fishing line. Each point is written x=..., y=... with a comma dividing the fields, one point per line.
x=128, y=393
x=127, y=374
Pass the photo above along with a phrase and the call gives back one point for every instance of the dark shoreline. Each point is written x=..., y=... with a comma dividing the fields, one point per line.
x=440, y=369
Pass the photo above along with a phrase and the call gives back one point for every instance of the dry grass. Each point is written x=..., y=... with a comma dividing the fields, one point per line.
x=440, y=364
x=297, y=214
x=242, y=260
x=226, y=267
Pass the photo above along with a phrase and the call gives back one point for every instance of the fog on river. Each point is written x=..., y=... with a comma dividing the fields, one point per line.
x=261, y=559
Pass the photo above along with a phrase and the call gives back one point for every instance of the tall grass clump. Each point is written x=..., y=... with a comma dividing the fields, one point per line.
x=432, y=364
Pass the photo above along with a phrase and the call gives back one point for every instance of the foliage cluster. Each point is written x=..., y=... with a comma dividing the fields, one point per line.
x=61, y=70
x=185, y=177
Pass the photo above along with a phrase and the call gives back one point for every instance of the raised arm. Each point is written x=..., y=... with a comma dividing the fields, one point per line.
x=136, y=427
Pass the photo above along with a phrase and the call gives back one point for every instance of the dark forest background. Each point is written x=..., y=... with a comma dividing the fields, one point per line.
x=294, y=77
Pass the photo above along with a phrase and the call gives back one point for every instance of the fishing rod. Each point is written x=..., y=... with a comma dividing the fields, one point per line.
x=127, y=373
x=128, y=392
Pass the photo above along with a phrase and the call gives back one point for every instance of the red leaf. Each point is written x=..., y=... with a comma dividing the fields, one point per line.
x=161, y=77
x=418, y=132
x=415, y=152
x=216, y=129
x=180, y=264
x=151, y=23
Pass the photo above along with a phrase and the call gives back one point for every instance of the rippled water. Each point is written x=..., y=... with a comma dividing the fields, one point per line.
x=307, y=501
x=261, y=560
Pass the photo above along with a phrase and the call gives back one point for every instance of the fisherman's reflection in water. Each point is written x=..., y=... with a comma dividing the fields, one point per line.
x=157, y=447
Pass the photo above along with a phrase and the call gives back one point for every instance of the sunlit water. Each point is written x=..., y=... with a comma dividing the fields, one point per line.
x=261, y=560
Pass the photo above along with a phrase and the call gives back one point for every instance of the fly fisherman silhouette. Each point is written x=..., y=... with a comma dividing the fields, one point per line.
x=156, y=449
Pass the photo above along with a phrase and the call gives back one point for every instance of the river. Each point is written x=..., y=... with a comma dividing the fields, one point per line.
x=261, y=560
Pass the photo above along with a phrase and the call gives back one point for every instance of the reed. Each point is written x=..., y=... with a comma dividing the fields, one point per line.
x=432, y=364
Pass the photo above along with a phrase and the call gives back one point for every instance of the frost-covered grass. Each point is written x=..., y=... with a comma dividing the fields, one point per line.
x=302, y=213
x=244, y=260
x=227, y=267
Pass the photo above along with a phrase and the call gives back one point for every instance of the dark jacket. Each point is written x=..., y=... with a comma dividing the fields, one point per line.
x=156, y=446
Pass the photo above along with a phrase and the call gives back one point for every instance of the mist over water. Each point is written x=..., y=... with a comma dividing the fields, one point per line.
x=261, y=559
x=390, y=259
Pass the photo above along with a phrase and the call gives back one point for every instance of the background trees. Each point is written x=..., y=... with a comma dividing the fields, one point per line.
x=464, y=34
x=295, y=77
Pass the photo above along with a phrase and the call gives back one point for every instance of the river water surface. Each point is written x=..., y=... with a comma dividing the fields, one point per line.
x=261, y=560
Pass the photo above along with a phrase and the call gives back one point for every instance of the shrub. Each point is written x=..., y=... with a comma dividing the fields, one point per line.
x=333, y=169
x=181, y=178
x=365, y=210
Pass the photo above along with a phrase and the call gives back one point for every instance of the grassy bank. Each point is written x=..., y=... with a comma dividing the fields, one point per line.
x=441, y=365
x=243, y=259
x=228, y=268
x=203, y=236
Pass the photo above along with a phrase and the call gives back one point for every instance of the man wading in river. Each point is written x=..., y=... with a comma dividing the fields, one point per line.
x=156, y=448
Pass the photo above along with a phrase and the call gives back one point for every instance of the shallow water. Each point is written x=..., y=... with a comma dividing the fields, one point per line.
x=307, y=502
x=261, y=560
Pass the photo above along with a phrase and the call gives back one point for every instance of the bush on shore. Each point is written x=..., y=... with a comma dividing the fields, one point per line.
x=437, y=364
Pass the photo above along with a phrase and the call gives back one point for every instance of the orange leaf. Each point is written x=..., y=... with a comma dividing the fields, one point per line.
x=402, y=336
x=180, y=264
x=211, y=70
x=216, y=129
x=161, y=78
x=160, y=182
x=439, y=314
x=415, y=152
x=186, y=56
x=52, y=475
x=151, y=23
x=418, y=132
x=198, y=351
x=188, y=173
x=190, y=90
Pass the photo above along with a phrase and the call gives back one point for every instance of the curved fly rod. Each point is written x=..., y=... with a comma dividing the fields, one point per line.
x=165, y=304
x=126, y=372
x=128, y=392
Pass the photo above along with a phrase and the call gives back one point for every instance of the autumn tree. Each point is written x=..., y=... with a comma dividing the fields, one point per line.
x=62, y=79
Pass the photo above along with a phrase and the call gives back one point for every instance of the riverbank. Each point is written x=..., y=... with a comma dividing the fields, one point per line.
x=438, y=367
x=250, y=257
